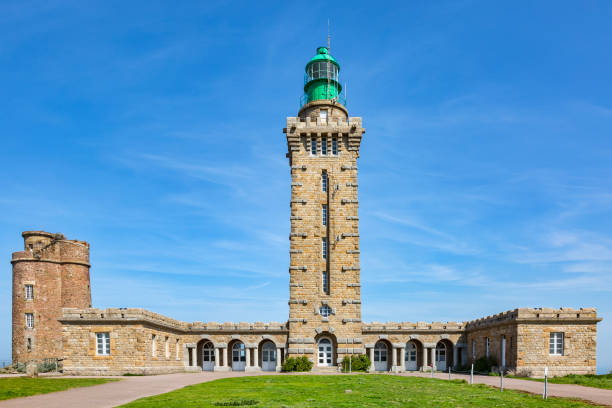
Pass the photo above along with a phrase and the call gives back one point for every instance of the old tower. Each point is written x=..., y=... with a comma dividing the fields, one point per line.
x=325, y=289
x=51, y=273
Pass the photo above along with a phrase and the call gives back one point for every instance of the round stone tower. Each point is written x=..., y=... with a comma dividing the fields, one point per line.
x=51, y=273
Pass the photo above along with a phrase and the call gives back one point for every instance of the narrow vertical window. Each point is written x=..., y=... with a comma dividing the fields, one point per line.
x=167, y=346
x=323, y=115
x=334, y=146
x=324, y=214
x=177, y=349
x=29, y=292
x=324, y=146
x=556, y=344
x=486, y=346
x=326, y=282
x=324, y=247
x=103, y=344
x=153, y=345
x=324, y=181
x=313, y=146
x=29, y=320
x=29, y=345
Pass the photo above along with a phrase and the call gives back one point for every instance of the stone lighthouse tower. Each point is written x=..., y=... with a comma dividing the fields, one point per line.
x=51, y=273
x=325, y=289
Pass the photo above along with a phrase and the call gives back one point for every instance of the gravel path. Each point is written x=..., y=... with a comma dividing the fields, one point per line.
x=131, y=388
x=595, y=395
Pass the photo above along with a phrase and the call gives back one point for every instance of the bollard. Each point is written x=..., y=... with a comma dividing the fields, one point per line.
x=449, y=369
x=545, y=383
x=350, y=365
x=501, y=380
x=472, y=374
x=432, y=370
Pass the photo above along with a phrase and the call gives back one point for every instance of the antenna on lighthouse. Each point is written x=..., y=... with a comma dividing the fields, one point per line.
x=328, y=36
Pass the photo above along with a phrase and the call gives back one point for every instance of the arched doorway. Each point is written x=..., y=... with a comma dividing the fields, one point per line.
x=208, y=357
x=325, y=352
x=411, y=356
x=268, y=356
x=381, y=356
x=238, y=356
x=441, y=356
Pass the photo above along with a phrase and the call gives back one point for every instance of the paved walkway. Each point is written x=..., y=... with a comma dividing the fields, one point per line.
x=596, y=395
x=117, y=393
x=131, y=388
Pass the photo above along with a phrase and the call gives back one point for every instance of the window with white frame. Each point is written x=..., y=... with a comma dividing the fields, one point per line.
x=29, y=292
x=486, y=346
x=167, y=346
x=323, y=115
x=103, y=344
x=556, y=344
x=326, y=282
x=313, y=146
x=153, y=345
x=325, y=311
x=324, y=247
x=29, y=320
x=324, y=214
x=324, y=146
x=334, y=146
x=324, y=181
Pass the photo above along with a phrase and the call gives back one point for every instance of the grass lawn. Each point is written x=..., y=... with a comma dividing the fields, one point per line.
x=588, y=380
x=329, y=391
x=25, y=386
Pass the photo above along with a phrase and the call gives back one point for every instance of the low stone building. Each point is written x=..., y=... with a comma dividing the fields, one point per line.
x=53, y=317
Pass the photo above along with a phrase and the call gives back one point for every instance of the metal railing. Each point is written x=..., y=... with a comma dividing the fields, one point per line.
x=341, y=99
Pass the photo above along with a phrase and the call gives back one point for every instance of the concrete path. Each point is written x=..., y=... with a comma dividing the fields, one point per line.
x=117, y=393
x=595, y=395
x=132, y=388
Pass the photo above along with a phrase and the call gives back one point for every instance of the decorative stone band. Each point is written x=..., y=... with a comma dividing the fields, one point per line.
x=351, y=350
x=349, y=234
x=296, y=320
x=352, y=218
x=349, y=167
x=411, y=328
x=347, y=201
x=53, y=261
x=299, y=202
x=298, y=167
x=300, y=350
x=353, y=285
x=296, y=184
x=351, y=302
x=351, y=184
x=350, y=268
x=301, y=340
x=296, y=251
x=319, y=330
x=296, y=285
x=298, y=302
x=298, y=268
x=356, y=340
x=352, y=251
x=351, y=320
x=298, y=234
x=295, y=217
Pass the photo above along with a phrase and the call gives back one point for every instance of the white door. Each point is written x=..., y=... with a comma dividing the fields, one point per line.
x=441, y=357
x=325, y=353
x=411, y=356
x=268, y=357
x=238, y=357
x=380, y=356
x=208, y=357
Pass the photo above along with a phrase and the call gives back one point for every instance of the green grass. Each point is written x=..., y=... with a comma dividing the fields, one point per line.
x=588, y=380
x=329, y=391
x=25, y=386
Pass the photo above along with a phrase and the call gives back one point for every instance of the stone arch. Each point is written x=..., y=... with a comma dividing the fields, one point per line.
x=444, y=346
x=199, y=350
x=416, y=345
x=334, y=348
x=236, y=355
x=260, y=350
x=378, y=350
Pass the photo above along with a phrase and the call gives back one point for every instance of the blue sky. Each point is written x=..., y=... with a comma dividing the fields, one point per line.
x=153, y=130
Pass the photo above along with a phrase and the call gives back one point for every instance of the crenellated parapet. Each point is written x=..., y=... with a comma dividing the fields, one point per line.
x=413, y=327
x=547, y=315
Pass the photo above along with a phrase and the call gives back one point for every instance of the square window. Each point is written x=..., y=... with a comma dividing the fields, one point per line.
x=556, y=344
x=103, y=344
